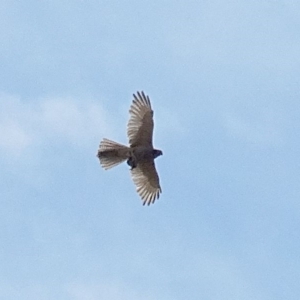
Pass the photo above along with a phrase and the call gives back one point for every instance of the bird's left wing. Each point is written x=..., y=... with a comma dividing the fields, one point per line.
x=140, y=125
x=146, y=181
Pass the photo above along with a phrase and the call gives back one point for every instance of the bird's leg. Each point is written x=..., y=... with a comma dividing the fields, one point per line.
x=131, y=162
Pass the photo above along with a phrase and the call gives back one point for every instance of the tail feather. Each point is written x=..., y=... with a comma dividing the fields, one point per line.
x=112, y=153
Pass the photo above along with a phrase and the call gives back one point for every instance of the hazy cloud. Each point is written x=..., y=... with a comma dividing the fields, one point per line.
x=25, y=124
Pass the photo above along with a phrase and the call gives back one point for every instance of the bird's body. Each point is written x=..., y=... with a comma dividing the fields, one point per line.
x=140, y=154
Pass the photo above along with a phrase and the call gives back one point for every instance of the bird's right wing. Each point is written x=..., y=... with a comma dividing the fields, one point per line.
x=140, y=125
x=146, y=181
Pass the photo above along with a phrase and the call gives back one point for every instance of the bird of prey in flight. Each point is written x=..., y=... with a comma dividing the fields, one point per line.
x=140, y=154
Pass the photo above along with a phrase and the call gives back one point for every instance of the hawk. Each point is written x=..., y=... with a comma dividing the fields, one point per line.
x=140, y=154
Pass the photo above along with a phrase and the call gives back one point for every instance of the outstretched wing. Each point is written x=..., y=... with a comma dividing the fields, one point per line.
x=140, y=125
x=146, y=181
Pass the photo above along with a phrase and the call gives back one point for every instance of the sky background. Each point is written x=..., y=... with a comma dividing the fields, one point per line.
x=224, y=81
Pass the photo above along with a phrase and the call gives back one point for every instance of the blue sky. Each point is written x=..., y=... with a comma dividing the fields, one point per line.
x=224, y=81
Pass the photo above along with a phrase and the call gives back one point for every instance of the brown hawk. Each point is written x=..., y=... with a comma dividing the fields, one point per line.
x=140, y=154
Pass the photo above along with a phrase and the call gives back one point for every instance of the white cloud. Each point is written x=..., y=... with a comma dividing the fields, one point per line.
x=13, y=138
x=77, y=122
x=28, y=124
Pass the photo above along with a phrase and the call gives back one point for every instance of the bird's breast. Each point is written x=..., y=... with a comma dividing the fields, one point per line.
x=142, y=153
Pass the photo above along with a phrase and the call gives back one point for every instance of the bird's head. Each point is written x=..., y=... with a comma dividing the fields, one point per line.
x=157, y=153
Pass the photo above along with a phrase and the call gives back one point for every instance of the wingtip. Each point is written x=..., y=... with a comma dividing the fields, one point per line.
x=141, y=96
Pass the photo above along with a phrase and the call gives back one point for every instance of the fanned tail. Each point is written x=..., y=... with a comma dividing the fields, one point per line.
x=112, y=153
